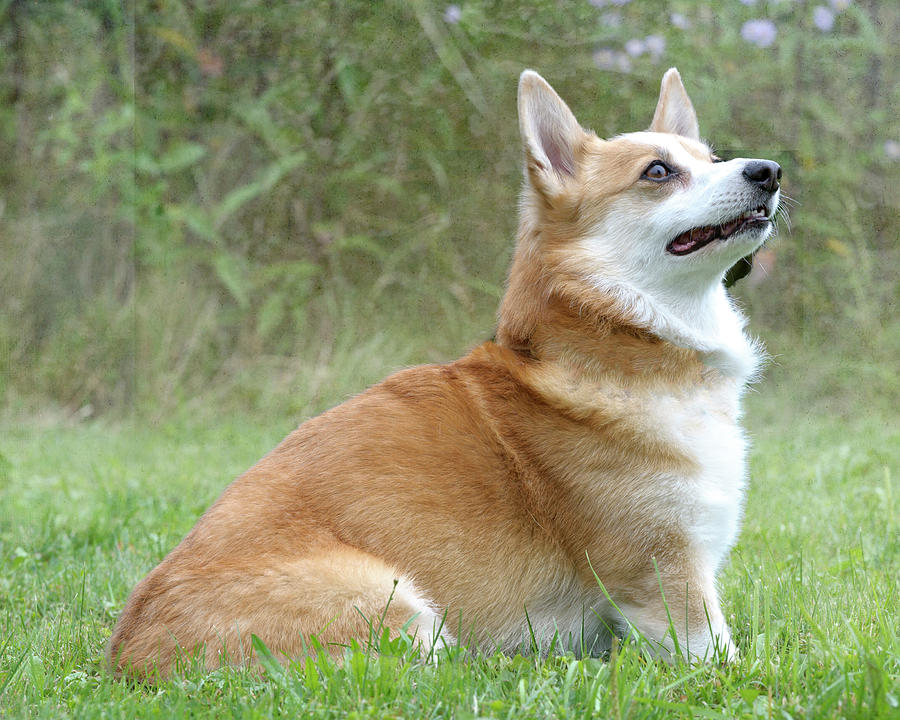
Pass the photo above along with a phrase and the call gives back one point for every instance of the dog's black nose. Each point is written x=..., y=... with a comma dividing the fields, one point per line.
x=764, y=173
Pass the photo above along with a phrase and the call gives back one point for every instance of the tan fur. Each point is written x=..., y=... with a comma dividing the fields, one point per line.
x=486, y=487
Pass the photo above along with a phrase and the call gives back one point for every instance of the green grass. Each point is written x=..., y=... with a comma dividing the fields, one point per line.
x=811, y=589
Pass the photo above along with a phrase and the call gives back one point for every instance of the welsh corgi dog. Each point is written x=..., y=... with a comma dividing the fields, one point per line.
x=579, y=476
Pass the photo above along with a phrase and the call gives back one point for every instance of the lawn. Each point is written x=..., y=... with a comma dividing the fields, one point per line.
x=811, y=589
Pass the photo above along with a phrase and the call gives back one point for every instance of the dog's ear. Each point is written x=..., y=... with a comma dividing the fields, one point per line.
x=550, y=133
x=674, y=111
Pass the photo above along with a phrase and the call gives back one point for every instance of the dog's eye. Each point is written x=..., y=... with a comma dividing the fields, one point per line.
x=657, y=170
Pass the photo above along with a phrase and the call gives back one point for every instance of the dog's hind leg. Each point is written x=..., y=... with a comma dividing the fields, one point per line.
x=336, y=594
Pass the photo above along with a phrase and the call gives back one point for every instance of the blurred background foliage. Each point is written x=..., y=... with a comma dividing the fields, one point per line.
x=261, y=206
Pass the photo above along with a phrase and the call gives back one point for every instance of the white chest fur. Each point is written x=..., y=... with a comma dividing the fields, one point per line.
x=707, y=503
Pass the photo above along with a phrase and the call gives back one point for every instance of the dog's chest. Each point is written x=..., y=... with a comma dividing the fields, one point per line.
x=706, y=502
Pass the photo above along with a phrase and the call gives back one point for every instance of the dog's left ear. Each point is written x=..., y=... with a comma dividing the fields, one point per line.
x=550, y=133
x=674, y=111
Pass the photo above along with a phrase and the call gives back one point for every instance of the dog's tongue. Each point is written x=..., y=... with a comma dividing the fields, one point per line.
x=693, y=238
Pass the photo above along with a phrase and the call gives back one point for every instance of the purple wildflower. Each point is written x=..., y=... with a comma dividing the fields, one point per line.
x=605, y=58
x=680, y=21
x=823, y=18
x=609, y=59
x=635, y=47
x=761, y=33
x=452, y=14
x=656, y=46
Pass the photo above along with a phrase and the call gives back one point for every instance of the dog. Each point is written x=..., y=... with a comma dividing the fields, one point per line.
x=579, y=476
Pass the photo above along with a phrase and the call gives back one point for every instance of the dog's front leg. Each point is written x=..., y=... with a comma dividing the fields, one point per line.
x=680, y=616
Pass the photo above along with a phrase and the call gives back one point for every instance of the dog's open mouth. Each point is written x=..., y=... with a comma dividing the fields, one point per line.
x=697, y=238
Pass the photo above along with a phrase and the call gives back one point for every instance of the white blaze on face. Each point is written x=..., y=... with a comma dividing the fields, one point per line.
x=704, y=194
x=631, y=241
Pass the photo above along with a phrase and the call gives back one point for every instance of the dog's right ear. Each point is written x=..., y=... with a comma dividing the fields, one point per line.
x=674, y=111
x=550, y=133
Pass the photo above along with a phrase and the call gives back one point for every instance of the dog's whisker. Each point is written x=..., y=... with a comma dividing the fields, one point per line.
x=783, y=213
x=788, y=200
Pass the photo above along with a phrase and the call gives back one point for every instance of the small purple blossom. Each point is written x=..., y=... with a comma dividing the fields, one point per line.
x=452, y=14
x=598, y=3
x=761, y=33
x=656, y=46
x=609, y=59
x=748, y=3
x=620, y=2
x=605, y=58
x=635, y=47
x=680, y=21
x=823, y=18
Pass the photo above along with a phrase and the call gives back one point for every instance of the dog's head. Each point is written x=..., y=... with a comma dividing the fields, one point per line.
x=657, y=208
x=652, y=219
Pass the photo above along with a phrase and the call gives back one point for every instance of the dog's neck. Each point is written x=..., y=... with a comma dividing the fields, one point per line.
x=551, y=316
x=704, y=320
